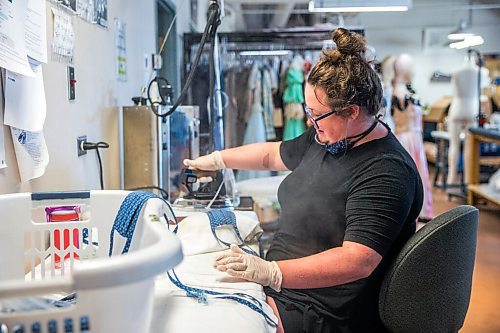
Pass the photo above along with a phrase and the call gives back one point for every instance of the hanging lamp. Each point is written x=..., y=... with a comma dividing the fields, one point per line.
x=463, y=37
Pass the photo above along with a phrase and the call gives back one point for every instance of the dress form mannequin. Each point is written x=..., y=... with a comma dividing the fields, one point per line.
x=463, y=112
x=387, y=78
x=407, y=116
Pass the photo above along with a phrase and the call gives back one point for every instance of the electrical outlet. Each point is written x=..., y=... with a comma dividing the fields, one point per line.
x=79, y=144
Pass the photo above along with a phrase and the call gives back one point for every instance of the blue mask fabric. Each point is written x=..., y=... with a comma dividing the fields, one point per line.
x=126, y=220
x=342, y=146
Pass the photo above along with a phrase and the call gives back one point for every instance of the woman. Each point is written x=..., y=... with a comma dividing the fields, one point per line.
x=347, y=207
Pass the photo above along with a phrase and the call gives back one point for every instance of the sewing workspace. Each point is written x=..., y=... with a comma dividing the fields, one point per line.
x=274, y=166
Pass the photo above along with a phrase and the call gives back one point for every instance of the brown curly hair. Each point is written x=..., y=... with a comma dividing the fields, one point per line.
x=347, y=77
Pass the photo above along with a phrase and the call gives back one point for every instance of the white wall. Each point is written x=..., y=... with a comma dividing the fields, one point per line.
x=98, y=96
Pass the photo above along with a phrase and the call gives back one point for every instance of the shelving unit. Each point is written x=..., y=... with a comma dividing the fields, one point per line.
x=475, y=189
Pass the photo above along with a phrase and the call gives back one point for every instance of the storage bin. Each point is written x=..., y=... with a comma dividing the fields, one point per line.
x=113, y=294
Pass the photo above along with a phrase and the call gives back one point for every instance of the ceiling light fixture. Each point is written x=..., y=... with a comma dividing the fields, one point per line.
x=463, y=36
x=344, y=6
x=468, y=42
x=265, y=52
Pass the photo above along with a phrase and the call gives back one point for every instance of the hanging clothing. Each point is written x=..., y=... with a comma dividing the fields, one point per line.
x=407, y=117
x=294, y=126
x=238, y=105
x=277, y=96
x=267, y=104
x=293, y=97
x=231, y=110
x=279, y=117
x=255, y=131
x=294, y=92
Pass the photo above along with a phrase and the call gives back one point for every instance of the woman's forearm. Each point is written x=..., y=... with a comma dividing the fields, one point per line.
x=333, y=267
x=255, y=156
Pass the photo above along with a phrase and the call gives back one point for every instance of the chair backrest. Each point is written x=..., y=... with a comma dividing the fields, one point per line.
x=428, y=286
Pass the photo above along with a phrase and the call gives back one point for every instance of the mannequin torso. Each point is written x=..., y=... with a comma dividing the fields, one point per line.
x=463, y=112
x=407, y=116
x=465, y=103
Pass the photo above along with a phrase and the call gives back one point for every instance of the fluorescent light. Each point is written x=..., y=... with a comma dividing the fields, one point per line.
x=265, y=52
x=468, y=42
x=358, y=6
x=459, y=35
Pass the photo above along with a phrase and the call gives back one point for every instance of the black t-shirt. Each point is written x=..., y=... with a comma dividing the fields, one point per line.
x=371, y=195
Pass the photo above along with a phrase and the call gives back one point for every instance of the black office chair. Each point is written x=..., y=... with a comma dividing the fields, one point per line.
x=428, y=287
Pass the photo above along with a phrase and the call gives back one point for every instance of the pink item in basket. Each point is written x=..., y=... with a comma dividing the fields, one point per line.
x=64, y=214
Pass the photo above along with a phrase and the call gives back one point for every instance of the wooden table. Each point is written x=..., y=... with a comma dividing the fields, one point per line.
x=474, y=188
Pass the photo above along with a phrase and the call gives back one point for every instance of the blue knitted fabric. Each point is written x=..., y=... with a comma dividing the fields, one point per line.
x=126, y=220
x=222, y=217
x=201, y=296
x=127, y=216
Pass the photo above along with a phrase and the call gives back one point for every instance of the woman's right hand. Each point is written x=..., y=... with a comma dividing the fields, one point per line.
x=210, y=162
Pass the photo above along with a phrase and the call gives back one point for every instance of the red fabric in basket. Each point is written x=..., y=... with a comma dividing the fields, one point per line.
x=71, y=214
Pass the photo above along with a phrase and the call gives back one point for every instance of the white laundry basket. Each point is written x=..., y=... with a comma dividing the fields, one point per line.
x=114, y=294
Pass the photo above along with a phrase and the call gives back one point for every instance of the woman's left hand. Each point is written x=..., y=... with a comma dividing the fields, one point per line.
x=240, y=264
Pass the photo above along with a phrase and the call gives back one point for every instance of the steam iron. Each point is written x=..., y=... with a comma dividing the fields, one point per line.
x=203, y=196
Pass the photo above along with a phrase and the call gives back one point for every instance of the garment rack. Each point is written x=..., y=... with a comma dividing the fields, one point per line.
x=301, y=39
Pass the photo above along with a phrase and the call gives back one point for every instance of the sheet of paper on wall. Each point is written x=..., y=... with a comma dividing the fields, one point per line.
x=85, y=9
x=31, y=153
x=13, y=51
x=36, y=30
x=101, y=12
x=25, y=104
x=63, y=41
x=121, y=51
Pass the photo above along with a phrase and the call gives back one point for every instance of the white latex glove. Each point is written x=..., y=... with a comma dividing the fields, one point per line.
x=240, y=264
x=210, y=162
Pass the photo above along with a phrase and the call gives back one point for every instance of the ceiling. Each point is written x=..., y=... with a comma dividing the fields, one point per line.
x=267, y=14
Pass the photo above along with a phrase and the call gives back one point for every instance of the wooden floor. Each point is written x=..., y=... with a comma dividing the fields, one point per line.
x=484, y=309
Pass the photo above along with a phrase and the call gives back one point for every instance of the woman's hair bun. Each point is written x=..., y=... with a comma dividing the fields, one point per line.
x=349, y=42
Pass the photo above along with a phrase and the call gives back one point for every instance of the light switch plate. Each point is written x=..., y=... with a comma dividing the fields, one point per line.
x=71, y=83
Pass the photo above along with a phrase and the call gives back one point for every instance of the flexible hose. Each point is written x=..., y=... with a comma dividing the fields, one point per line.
x=211, y=20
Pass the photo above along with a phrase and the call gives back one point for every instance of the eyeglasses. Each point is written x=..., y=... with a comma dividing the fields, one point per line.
x=318, y=118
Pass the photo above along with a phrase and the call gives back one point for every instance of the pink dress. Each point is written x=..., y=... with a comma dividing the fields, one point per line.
x=408, y=130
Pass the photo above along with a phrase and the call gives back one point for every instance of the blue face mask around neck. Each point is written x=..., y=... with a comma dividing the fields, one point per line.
x=337, y=148
x=342, y=146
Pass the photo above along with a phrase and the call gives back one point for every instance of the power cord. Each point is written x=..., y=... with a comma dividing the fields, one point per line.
x=89, y=146
x=163, y=192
